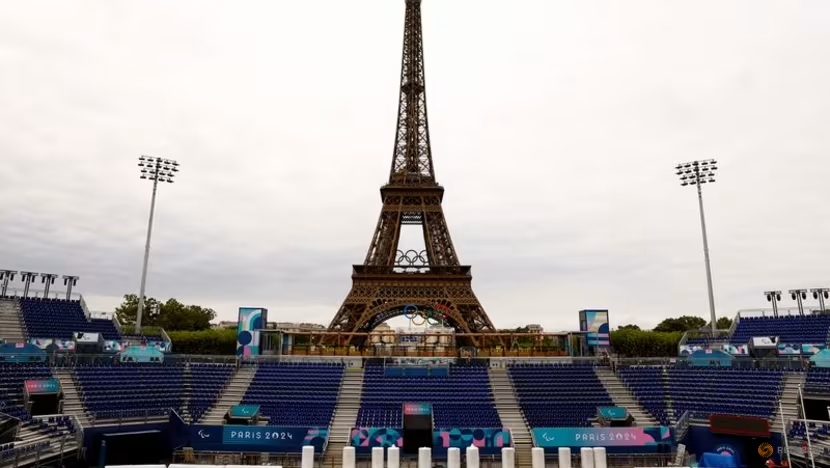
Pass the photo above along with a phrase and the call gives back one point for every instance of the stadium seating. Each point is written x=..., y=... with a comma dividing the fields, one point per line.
x=206, y=384
x=59, y=318
x=818, y=380
x=646, y=384
x=706, y=390
x=39, y=435
x=12, y=376
x=791, y=329
x=296, y=394
x=558, y=395
x=462, y=398
x=131, y=390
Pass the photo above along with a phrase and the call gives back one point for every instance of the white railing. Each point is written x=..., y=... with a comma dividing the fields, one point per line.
x=100, y=315
x=53, y=293
x=84, y=307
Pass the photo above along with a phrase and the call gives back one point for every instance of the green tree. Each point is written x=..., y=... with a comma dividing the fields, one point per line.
x=680, y=324
x=629, y=327
x=644, y=343
x=222, y=342
x=724, y=323
x=170, y=315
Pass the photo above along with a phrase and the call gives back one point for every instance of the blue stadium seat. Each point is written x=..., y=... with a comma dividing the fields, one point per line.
x=59, y=318
x=706, y=390
x=461, y=399
x=646, y=384
x=131, y=390
x=206, y=382
x=818, y=380
x=296, y=394
x=558, y=395
x=791, y=329
x=12, y=376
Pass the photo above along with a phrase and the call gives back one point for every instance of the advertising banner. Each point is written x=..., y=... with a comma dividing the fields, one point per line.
x=257, y=438
x=41, y=387
x=595, y=322
x=251, y=320
x=576, y=437
x=489, y=441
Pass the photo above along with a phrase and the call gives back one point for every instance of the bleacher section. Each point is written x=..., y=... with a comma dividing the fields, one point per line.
x=553, y=395
x=646, y=384
x=818, y=380
x=59, y=318
x=131, y=390
x=791, y=329
x=206, y=384
x=12, y=376
x=706, y=390
x=39, y=435
x=462, y=398
x=295, y=394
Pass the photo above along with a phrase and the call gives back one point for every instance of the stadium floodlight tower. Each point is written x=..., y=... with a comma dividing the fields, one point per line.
x=27, y=277
x=48, y=279
x=698, y=173
x=821, y=294
x=774, y=297
x=156, y=170
x=69, y=282
x=5, y=277
x=799, y=295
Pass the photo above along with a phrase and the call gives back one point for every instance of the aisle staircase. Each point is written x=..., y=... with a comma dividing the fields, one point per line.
x=72, y=403
x=11, y=324
x=622, y=397
x=345, y=414
x=511, y=414
x=231, y=395
x=789, y=400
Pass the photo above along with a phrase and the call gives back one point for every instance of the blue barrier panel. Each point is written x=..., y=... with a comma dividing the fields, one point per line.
x=613, y=412
x=489, y=441
x=257, y=438
x=244, y=411
x=644, y=439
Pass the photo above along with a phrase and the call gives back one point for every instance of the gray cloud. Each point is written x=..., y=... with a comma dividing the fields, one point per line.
x=555, y=128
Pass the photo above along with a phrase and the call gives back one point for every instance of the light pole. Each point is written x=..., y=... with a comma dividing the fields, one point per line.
x=27, y=277
x=799, y=295
x=821, y=294
x=774, y=297
x=69, y=282
x=698, y=173
x=48, y=279
x=156, y=170
x=5, y=277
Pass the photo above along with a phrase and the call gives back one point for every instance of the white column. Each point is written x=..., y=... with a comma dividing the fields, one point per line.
x=348, y=457
x=393, y=457
x=453, y=457
x=472, y=457
x=564, y=457
x=308, y=457
x=600, y=457
x=508, y=457
x=587, y=456
x=424, y=457
x=537, y=457
x=377, y=457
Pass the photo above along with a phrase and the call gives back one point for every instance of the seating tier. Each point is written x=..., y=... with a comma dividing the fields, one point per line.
x=462, y=398
x=206, y=384
x=646, y=384
x=296, y=394
x=791, y=329
x=59, y=318
x=706, y=390
x=131, y=390
x=12, y=376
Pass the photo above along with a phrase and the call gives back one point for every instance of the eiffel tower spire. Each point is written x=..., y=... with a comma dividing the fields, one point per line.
x=392, y=282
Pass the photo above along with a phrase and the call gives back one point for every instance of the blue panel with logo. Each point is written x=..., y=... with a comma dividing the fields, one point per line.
x=257, y=438
x=244, y=411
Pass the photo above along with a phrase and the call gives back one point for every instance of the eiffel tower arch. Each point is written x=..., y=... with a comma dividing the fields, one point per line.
x=391, y=280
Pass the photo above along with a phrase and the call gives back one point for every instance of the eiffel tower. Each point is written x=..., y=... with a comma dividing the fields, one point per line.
x=391, y=281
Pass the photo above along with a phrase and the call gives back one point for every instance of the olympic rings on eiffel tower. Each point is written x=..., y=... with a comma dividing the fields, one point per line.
x=431, y=316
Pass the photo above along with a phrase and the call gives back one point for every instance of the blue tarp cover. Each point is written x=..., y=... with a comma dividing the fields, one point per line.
x=716, y=460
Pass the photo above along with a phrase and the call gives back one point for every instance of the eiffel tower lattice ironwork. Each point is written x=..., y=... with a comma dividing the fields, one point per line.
x=391, y=282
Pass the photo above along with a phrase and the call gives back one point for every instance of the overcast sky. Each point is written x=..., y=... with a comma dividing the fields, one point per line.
x=555, y=129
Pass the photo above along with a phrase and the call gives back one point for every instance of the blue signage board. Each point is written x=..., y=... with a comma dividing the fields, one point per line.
x=244, y=411
x=613, y=412
x=257, y=438
x=35, y=387
x=609, y=437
